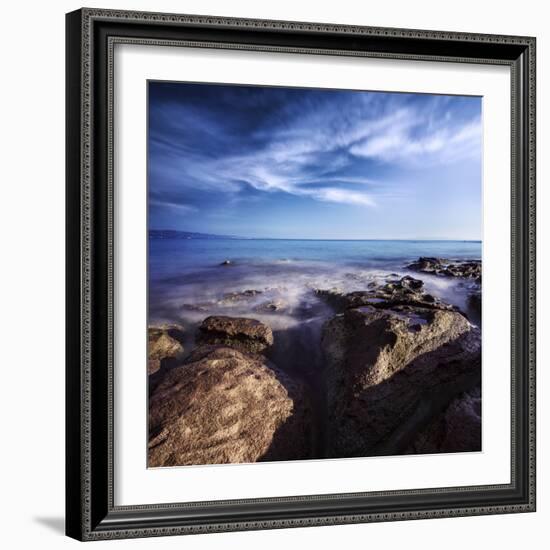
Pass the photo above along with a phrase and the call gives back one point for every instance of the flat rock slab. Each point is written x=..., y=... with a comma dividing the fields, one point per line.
x=248, y=335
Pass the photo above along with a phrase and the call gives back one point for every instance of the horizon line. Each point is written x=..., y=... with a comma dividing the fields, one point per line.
x=239, y=238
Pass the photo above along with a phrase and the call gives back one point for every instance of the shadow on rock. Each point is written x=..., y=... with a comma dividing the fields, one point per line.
x=390, y=372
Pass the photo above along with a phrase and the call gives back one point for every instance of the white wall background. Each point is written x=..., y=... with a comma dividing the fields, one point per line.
x=32, y=273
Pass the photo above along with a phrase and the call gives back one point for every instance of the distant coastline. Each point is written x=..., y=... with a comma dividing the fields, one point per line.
x=174, y=234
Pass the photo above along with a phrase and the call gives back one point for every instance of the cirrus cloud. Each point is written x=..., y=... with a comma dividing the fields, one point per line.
x=339, y=147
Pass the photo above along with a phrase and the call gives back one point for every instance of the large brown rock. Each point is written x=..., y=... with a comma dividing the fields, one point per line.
x=248, y=335
x=224, y=406
x=389, y=372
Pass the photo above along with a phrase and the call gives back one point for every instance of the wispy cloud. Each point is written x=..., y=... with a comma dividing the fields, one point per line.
x=334, y=194
x=175, y=205
x=408, y=143
x=325, y=146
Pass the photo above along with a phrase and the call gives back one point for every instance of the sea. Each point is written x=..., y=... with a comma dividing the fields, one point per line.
x=187, y=275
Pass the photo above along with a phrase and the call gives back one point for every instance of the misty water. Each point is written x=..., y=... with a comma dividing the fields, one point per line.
x=187, y=281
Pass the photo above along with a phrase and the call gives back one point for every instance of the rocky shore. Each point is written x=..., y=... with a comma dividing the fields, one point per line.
x=400, y=374
x=470, y=269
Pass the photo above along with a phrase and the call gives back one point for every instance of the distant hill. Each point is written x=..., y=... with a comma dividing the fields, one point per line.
x=173, y=234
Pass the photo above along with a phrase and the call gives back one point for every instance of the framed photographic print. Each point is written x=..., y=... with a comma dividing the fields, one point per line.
x=300, y=274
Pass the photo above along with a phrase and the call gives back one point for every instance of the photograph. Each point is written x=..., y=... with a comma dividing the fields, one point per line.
x=314, y=273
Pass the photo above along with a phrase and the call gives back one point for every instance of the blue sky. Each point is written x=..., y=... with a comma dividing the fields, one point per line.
x=312, y=163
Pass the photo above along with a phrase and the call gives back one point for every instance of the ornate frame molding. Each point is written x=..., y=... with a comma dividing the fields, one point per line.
x=91, y=36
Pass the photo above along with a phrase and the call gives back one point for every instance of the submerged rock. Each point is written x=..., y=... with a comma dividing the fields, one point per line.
x=390, y=371
x=248, y=335
x=456, y=429
x=230, y=298
x=224, y=406
x=164, y=342
x=199, y=307
x=271, y=306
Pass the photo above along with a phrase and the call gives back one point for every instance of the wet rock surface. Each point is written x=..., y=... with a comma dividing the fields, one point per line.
x=470, y=269
x=225, y=406
x=394, y=292
x=390, y=371
x=248, y=335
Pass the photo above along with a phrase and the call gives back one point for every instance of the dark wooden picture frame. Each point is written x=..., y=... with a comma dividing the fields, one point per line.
x=90, y=510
